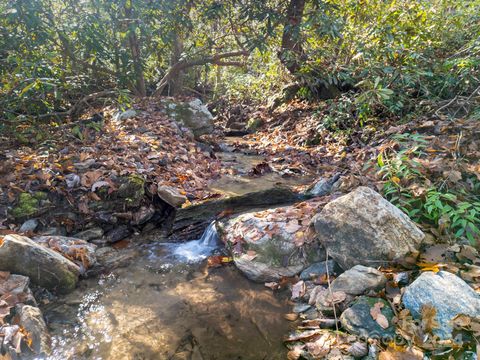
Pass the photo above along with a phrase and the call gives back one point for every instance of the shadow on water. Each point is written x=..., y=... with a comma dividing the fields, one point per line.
x=168, y=305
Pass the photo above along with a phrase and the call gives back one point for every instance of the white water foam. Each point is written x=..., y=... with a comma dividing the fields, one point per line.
x=197, y=250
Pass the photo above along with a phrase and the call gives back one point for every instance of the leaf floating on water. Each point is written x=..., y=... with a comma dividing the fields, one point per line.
x=291, y=316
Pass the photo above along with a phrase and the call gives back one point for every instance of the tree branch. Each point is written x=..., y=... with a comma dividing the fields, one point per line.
x=185, y=64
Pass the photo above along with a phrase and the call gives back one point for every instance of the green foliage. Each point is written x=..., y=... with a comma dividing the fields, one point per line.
x=455, y=210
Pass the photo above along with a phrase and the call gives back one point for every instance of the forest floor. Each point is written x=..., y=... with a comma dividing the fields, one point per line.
x=71, y=175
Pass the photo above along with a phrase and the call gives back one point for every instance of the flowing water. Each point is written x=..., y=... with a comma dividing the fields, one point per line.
x=168, y=305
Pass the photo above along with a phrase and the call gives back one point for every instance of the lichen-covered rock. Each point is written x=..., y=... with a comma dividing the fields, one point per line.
x=364, y=228
x=192, y=114
x=270, y=244
x=44, y=267
x=447, y=293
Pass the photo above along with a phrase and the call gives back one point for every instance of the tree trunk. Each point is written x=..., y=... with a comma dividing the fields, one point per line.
x=135, y=50
x=291, y=51
x=176, y=83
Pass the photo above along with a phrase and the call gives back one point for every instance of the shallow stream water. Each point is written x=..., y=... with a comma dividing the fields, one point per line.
x=168, y=305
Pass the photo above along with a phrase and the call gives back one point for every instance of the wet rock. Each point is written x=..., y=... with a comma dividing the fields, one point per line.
x=119, y=233
x=447, y=293
x=270, y=244
x=124, y=115
x=109, y=258
x=90, y=234
x=358, y=320
x=60, y=231
x=193, y=115
x=45, y=267
x=301, y=307
x=31, y=319
x=29, y=225
x=143, y=215
x=319, y=269
x=171, y=196
x=363, y=228
x=198, y=215
x=359, y=280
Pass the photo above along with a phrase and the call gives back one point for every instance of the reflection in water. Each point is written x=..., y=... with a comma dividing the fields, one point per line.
x=166, y=307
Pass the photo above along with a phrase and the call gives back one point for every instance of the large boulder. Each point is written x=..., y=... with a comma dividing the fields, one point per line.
x=447, y=294
x=268, y=245
x=193, y=115
x=364, y=228
x=45, y=267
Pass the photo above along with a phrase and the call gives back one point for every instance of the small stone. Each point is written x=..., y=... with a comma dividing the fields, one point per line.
x=119, y=233
x=124, y=115
x=359, y=280
x=171, y=196
x=72, y=180
x=358, y=320
x=301, y=307
x=320, y=269
x=323, y=186
x=358, y=349
x=29, y=225
x=84, y=165
x=90, y=234
x=447, y=293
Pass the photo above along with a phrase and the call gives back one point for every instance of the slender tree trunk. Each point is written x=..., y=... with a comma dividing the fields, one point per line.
x=176, y=83
x=291, y=51
x=135, y=50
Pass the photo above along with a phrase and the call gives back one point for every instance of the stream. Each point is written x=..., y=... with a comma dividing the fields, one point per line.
x=167, y=304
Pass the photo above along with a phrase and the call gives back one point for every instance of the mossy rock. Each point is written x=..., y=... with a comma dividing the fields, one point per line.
x=28, y=204
x=254, y=124
x=358, y=320
x=132, y=189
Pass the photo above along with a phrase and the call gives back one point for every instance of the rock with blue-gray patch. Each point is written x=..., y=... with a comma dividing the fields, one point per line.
x=447, y=293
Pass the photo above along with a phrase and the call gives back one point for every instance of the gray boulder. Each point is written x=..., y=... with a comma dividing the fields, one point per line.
x=447, y=293
x=29, y=225
x=359, y=280
x=364, y=228
x=171, y=196
x=193, y=114
x=45, y=267
x=268, y=245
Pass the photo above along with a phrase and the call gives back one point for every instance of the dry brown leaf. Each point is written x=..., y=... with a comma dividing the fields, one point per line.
x=429, y=322
x=298, y=290
x=376, y=313
x=401, y=353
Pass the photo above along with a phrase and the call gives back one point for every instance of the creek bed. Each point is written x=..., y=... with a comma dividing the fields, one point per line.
x=162, y=307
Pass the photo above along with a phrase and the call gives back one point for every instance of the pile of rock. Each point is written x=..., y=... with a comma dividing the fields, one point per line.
x=356, y=235
x=54, y=263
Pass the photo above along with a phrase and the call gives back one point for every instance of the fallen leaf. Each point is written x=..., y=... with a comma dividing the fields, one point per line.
x=376, y=313
x=298, y=290
x=429, y=322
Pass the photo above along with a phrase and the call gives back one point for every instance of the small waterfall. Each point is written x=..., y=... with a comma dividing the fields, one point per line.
x=210, y=236
x=197, y=250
